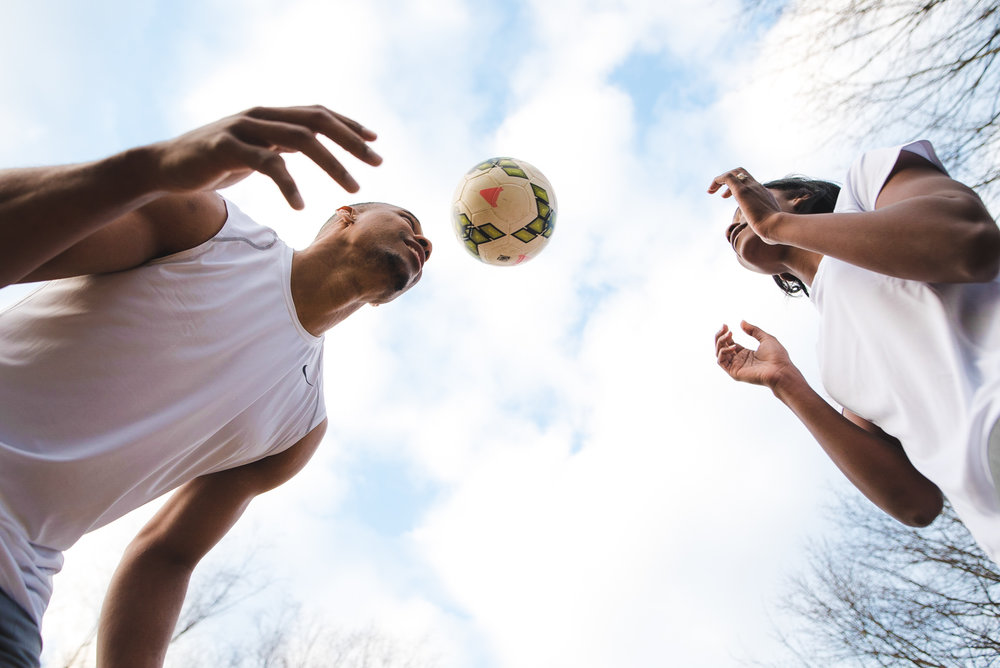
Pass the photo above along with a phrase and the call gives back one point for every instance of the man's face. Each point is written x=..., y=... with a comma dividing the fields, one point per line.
x=393, y=246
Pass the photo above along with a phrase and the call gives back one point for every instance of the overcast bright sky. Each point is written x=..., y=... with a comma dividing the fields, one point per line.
x=529, y=466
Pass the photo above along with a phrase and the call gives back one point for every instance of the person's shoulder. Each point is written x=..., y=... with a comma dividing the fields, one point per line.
x=870, y=170
x=877, y=160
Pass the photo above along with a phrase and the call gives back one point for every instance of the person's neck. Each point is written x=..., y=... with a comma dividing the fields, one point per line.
x=323, y=292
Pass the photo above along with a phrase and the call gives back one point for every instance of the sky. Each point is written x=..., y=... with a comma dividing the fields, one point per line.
x=530, y=466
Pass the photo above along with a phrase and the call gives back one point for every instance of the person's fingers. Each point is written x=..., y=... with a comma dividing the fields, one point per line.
x=724, y=339
x=755, y=331
x=272, y=165
x=729, y=180
x=290, y=137
x=267, y=161
x=347, y=133
x=366, y=133
x=720, y=334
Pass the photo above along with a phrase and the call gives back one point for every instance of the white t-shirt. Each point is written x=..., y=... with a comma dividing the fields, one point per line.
x=118, y=388
x=920, y=360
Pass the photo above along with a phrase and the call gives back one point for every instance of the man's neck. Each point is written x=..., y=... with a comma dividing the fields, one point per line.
x=323, y=296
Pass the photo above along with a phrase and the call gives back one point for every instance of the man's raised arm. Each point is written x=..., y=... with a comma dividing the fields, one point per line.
x=46, y=210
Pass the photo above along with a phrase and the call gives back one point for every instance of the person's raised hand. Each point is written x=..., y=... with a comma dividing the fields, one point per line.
x=222, y=153
x=758, y=207
x=764, y=366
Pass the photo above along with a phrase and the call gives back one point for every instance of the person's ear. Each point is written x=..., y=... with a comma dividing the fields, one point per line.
x=348, y=214
x=800, y=201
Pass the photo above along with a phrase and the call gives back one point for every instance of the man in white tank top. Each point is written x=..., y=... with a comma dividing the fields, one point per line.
x=170, y=318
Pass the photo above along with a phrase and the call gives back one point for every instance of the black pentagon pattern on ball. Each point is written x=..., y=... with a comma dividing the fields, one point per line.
x=471, y=236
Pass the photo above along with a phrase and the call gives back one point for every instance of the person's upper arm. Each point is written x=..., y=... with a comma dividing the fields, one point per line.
x=166, y=225
x=916, y=176
x=202, y=511
x=868, y=426
x=923, y=501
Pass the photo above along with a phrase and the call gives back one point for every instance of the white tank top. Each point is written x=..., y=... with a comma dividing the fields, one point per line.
x=920, y=360
x=116, y=389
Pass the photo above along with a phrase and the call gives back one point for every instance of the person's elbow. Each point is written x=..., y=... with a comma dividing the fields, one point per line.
x=922, y=510
x=983, y=257
x=979, y=248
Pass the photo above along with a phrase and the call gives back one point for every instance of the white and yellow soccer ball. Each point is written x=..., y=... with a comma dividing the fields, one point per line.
x=504, y=211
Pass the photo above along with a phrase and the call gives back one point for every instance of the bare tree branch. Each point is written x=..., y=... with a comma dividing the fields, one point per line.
x=882, y=594
x=927, y=67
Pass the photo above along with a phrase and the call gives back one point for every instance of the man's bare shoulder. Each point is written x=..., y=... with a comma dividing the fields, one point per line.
x=180, y=222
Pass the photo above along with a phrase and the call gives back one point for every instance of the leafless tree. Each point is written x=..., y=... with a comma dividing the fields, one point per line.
x=927, y=65
x=232, y=618
x=287, y=640
x=213, y=592
x=878, y=593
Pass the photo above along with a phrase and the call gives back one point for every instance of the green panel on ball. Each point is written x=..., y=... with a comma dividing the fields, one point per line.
x=543, y=209
x=540, y=193
x=511, y=168
x=524, y=234
x=462, y=225
x=537, y=226
x=491, y=230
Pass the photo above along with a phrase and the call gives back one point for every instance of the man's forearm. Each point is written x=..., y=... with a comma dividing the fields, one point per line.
x=140, y=610
x=45, y=210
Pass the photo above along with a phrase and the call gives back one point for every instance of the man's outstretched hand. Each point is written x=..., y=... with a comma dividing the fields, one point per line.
x=222, y=153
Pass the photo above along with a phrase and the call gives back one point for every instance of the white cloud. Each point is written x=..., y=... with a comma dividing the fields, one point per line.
x=605, y=495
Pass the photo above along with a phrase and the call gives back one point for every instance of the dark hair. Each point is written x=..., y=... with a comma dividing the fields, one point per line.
x=820, y=197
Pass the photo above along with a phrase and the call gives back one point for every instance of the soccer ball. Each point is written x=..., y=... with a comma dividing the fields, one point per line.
x=504, y=211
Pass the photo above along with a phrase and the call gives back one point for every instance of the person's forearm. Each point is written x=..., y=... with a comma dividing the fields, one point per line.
x=140, y=610
x=934, y=238
x=45, y=210
x=876, y=466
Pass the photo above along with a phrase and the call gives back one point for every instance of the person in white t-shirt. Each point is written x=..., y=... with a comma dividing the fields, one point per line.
x=903, y=270
x=176, y=344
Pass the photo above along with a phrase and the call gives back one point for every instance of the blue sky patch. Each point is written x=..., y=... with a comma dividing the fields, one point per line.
x=385, y=496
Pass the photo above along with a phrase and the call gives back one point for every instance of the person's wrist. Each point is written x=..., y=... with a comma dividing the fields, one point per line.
x=786, y=382
x=774, y=226
x=137, y=172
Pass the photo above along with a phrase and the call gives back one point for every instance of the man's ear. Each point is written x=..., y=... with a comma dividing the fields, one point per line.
x=348, y=214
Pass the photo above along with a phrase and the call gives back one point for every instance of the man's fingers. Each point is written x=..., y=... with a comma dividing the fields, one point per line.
x=367, y=134
x=267, y=161
x=271, y=164
x=289, y=137
x=345, y=132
